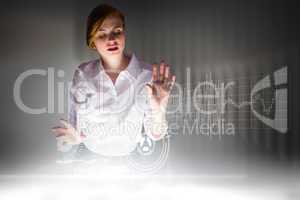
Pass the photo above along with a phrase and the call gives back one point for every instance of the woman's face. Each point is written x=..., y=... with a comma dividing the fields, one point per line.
x=109, y=40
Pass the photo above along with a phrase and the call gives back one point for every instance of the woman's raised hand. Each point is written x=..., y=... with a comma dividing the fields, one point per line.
x=162, y=83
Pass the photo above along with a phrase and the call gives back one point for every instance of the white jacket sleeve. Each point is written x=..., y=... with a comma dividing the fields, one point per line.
x=72, y=113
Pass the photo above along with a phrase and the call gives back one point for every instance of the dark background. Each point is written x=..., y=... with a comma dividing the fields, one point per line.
x=227, y=38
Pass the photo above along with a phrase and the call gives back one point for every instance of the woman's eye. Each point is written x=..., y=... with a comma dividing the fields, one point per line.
x=118, y=32
x=101, y=36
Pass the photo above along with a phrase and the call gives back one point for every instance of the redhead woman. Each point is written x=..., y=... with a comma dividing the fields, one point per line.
x=116, y=97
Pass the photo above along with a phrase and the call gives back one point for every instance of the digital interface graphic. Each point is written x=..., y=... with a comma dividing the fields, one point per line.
x=224, y=107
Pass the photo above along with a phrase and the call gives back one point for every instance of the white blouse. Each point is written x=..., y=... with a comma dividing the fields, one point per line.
x=112, y=117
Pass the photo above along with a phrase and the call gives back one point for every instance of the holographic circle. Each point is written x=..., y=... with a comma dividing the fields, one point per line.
x=155, y=165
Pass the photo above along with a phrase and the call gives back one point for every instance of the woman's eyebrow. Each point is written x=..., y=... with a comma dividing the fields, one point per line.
x=114, y=27
x=102, y=29
x=118, y=26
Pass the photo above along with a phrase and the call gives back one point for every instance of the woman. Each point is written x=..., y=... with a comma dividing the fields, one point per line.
x=114, y=97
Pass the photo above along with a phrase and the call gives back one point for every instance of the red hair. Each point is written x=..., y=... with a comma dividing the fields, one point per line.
x=96, y=18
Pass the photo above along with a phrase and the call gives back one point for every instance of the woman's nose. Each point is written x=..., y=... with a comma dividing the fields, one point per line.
x=111, y=36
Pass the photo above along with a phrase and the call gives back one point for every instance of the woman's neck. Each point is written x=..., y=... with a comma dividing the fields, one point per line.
x=116, y=64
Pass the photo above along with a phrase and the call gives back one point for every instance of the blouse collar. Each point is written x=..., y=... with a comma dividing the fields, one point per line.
x=133, y=68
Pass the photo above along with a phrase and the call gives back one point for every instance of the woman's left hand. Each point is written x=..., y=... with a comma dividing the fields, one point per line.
x=162, y=83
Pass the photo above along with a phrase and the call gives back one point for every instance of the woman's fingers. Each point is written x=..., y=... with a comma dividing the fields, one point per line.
x=67, y=139
x=154, y=73
x=162, y=76
x=59, y=131
x=159, y=72
x=173, y=79
x=166, y=77
x=62, y=138
x=167, y=72
x=66, y=134
x=65, y=123
x=162, y=71
x=66, y=130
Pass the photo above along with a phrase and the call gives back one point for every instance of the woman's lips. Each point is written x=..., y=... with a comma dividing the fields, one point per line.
x=115, y=48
